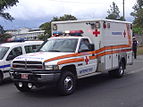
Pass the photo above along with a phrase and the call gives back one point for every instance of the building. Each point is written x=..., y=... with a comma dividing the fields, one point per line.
x=26, y=33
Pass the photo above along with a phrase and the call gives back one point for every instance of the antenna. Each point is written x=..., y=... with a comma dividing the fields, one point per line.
x=124, y=9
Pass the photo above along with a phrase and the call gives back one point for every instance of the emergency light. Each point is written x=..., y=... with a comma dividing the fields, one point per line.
x=57, y=33
x=69, y=33
x=76, y=32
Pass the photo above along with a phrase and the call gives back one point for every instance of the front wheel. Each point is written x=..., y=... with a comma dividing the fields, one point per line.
x=67, y=83
x=1, y=78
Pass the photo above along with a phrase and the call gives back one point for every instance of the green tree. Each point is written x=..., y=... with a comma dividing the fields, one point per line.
x=5, y=4
x=4, y=37
x=42, y=37
x=47, y=26
x=114, y=13
x=64, y=18
x=138, y=14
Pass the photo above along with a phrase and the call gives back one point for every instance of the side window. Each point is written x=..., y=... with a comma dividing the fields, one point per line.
x=84, y=45
x=31, y=48
x=14, y=53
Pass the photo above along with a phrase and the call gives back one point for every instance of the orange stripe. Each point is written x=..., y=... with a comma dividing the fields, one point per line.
x=61, y=57
x=71, y=61
x=87, y=53
x=69, y=55
x=92, y=57
x=112, y=52
x=110, y=47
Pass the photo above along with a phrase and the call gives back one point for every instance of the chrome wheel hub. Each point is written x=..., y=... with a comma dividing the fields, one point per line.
x=68, y=83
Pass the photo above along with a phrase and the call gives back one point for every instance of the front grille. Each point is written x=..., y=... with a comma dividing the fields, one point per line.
x=28, y=65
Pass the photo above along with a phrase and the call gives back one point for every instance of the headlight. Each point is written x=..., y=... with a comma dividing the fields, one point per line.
x=52, y=67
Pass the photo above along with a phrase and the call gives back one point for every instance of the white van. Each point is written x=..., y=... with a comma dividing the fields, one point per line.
x=8, y=51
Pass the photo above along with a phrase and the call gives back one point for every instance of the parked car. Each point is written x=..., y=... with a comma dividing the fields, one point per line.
x=8, y=51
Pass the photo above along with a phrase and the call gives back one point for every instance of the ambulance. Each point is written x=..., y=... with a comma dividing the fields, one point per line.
x=77, y=49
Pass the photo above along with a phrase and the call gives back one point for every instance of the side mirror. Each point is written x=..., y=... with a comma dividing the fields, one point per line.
x=91, y=47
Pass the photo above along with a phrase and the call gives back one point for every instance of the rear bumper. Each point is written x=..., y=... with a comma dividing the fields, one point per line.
x=35, y=77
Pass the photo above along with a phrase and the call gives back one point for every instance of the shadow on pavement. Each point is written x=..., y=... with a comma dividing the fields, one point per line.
x=82, y=86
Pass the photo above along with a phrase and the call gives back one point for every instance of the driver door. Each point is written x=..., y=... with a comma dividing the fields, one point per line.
x=13, y=53
x=88, y=66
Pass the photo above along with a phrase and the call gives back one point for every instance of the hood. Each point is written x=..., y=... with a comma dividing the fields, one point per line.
x=40, y=56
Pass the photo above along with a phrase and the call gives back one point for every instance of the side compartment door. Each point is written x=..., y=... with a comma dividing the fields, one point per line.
x=115, y=61
x=89, y=65
x=108, y=59
x=130, y=57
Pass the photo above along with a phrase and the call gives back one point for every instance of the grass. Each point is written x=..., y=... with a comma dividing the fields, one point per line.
x=140, y=51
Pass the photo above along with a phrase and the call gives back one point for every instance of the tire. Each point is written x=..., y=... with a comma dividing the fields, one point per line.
x=24, y=87
x=67, y=83
x=118, y=73
x=1, y=78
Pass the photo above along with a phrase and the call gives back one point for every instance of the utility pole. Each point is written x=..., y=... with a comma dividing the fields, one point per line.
x=124, y=9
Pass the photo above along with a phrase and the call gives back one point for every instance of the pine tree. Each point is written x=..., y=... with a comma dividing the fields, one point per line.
x=113, y=12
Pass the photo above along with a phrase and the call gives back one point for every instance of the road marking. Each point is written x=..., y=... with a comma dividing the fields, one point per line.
x=135, y=71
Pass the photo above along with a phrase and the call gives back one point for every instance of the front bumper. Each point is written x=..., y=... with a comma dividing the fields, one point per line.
x=35, y=76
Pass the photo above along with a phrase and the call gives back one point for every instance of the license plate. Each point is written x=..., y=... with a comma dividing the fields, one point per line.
x=24, y=76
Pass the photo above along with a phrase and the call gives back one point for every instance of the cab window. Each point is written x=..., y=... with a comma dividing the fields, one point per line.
x=31, y=48
x=14, y=53
x=84, y=45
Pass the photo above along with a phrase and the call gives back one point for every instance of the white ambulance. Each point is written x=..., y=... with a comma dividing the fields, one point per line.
x=8, y=51
x=77, y=49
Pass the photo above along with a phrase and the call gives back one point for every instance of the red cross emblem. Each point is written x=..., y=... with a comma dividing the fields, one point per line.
x=86, y=60
x=124, y=33
x=96, y=32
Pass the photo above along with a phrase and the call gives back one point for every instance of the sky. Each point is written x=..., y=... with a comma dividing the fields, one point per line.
x=32, y=13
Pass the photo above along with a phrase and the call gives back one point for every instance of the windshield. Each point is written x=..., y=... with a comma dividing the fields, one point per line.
x=60, y=45
x=3, y=51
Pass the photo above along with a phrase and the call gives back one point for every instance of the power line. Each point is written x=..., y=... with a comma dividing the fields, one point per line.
x=75, y=2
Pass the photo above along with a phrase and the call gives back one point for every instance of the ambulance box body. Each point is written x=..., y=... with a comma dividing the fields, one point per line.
x=108, y=36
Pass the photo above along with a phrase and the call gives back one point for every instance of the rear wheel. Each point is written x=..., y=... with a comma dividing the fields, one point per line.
x=67, y=83
x=23, y=87
x=118, y=73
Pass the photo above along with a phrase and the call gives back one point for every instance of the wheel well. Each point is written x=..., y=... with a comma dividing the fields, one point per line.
x=1, y=74
x=71, y=68
x=123, y=60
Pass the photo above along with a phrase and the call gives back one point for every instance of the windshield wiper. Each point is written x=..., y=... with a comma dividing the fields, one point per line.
x=54, y=51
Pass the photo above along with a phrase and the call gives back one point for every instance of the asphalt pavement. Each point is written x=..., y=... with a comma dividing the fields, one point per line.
x=97, y=91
